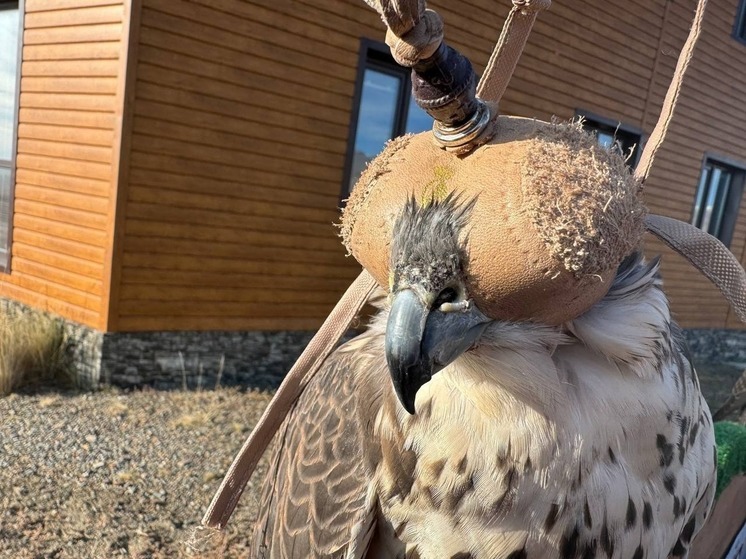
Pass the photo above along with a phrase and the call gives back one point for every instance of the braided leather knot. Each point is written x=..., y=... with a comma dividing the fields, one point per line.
x=532, y=6
x=418, y=43
x=399, y=15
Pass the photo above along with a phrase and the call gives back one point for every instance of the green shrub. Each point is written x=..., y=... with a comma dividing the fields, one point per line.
x=33, y=351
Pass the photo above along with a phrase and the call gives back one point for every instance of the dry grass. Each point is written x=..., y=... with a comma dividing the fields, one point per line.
x=117, y=409
x=33, y=350
x=194, y=419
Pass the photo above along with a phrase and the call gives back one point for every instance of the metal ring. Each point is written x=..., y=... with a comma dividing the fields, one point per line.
x=457, y=136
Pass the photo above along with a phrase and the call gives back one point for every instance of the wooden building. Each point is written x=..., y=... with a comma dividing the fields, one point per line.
x=177, y=165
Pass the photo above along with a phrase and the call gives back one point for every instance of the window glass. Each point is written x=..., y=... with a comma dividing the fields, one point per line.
x=376, y=118
x=8, y=66
x=417, y=119
x=704, y=181
x=605, y=139
x=720, y=201
x=710, y=200
x=611, y=134
x=386, y=110
x=378, y=106
x=740, y=30
x=4, y=213
x=717, y=199
x=9, y=61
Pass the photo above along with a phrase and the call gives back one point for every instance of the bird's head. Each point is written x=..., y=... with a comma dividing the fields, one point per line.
x=432, y=319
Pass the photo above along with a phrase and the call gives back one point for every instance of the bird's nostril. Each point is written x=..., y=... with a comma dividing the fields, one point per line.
x=447, y=295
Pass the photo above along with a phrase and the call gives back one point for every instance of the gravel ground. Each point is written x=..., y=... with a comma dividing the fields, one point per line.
x=129, y=474
x=121, y=474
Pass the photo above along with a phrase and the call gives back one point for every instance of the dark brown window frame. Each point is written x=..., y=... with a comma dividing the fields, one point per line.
x=739, y=27
x=611, y=125
x=735, y=194
x=376, y=55
x=11, y=164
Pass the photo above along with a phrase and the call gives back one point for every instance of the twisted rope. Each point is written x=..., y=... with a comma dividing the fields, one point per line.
x=399, y=15
x=418, y=43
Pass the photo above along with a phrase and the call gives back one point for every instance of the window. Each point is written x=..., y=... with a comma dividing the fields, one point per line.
x=10, y=32
x=718, y=198
x=626, y=138
x=384, y=108
x=739, y=30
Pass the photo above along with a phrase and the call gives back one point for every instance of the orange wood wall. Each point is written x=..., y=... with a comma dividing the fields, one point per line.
x=232, y=129
x=67, y=157
x=239, y=136
x=616, y=59
x=240, y=128
x=710, y=119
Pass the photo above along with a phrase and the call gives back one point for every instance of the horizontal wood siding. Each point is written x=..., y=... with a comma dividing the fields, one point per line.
x=240, y=129
x=66, y=138
x=239, y=138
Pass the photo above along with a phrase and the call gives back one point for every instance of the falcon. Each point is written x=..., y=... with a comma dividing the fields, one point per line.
x=442, y=433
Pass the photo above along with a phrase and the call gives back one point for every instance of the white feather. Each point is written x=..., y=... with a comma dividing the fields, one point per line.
x=559, y=416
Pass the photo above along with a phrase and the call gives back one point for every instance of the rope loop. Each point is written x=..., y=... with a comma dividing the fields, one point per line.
x=418, y=43
x=532, y=6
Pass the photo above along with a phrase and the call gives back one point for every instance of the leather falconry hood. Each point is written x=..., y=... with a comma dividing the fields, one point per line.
x=554, y=213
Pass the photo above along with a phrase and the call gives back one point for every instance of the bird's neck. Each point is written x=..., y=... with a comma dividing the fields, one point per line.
x=494, y=395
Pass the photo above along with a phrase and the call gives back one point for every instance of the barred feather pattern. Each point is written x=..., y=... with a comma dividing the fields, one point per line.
x=587, y=440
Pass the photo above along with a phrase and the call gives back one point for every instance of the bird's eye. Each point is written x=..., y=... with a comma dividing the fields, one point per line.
x=448, y=295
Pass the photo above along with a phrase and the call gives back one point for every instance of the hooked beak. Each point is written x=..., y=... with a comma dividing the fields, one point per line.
x=420, y=341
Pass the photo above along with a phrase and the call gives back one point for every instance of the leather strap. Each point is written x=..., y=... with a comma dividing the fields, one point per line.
x=702, y=250
x=508, y=49
x=707, y=254
x=318, y=349
x=672, y=96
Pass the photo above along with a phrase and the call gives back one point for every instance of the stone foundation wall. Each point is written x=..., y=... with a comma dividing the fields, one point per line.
x=252, y=359
x=200, y=359
x=175, y=359
x=261, y=359
x=85, y=347
x=718, y=346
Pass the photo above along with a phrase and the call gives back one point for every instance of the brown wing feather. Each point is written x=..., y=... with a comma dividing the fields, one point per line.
x=315, y=491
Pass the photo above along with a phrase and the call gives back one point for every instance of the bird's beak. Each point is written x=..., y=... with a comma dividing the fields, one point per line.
x=421, y=340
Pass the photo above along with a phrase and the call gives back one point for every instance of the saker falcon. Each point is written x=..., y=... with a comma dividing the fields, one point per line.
x=440, y=433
